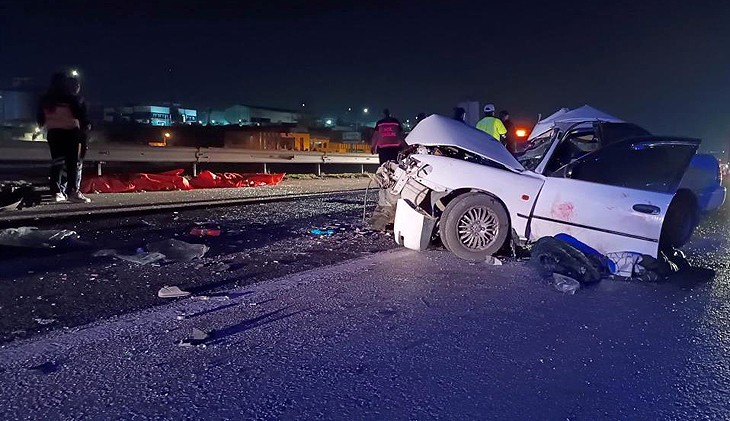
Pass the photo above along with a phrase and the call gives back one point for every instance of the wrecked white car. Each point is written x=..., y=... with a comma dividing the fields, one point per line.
x=610, y=185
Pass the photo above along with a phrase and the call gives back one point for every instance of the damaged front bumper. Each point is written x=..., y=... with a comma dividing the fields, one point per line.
x=413, y=227
x=410, y=199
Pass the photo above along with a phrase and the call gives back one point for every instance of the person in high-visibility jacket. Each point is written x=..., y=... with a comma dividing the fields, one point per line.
x=388, y=139
x=492, y=125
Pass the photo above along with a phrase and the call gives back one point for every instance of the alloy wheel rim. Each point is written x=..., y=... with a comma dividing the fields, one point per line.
x=478, y=228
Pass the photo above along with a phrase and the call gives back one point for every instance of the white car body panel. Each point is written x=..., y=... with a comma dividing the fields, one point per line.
x=565, y=117
x=607, y=221
x=507, y=186
x=438, y=130
x=412, y=228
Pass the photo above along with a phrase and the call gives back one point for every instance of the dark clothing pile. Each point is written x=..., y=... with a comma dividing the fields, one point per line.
x=568, y=256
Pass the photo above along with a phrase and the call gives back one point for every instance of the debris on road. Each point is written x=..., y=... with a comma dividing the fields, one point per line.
x=555, y=255
x=317, y=231
x=567, y=256
x=141, y=258
x=178, y=250
x=198, y=338
x=172, y=292
x=220, y=267
x=44, y=322
x=642, y=268
x=33, y=237
x=47, y=367
x=202, y=232
x=493, y=261
x=565, y=284
x=18, y=195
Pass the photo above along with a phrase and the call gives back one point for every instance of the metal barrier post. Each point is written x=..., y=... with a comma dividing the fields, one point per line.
x=319, y=169
x=195, y=169
x=266, y=170
x=98, y=168
x=362, y=168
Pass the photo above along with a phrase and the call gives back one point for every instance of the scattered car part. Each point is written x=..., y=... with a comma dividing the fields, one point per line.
x=172, y=292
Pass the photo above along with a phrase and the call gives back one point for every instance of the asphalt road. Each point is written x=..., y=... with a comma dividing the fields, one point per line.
x=67, y=286
x=389, y=335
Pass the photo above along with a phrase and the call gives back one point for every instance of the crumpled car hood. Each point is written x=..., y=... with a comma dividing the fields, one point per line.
x=438, y=130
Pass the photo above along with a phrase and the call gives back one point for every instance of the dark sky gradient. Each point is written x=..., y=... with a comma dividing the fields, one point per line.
x=664, y=65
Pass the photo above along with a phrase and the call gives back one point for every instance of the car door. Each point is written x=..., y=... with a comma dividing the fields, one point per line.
x=614, y=199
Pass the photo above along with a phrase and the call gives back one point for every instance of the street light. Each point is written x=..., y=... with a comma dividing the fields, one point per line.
x=328, y=122
x=168, y=135
x=74, y=73
x=365, y=110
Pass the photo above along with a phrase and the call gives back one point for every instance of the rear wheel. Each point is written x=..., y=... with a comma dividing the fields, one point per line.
x=680, y=221
x=474, y=226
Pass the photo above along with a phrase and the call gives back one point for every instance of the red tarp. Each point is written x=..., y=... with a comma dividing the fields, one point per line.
x=207, y=180
x=174, y=180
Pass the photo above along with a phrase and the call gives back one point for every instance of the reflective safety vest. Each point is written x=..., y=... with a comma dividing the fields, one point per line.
x=388, y=134
x=493, y=127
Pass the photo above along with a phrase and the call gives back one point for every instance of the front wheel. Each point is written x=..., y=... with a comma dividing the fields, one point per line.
x=474, y=226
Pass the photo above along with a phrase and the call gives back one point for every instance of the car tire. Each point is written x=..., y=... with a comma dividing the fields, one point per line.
x=474, y=226
x=680, y=221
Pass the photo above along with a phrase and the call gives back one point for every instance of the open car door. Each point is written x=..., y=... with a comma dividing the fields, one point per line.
x=615, y=198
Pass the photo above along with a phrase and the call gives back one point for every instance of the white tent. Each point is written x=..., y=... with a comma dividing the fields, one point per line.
x=565, y=117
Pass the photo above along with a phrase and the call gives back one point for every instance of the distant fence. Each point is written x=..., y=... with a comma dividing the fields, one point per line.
x=105, y=153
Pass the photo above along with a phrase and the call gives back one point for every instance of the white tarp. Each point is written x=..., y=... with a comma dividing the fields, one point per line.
x=438, y=130
x=565, y=117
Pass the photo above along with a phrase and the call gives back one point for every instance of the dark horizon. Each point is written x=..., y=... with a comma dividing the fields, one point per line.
x=659, y=64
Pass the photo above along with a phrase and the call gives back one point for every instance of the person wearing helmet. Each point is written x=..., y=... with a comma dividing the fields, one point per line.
x=492, y=125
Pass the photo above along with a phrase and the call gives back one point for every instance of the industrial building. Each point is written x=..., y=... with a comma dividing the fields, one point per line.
x=250, y=115
x=154, y=115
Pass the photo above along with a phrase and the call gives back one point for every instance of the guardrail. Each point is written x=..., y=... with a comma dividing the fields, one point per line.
x=103, y=153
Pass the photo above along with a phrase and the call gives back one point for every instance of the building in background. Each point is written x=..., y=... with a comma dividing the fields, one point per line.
x=249, y=115
x=214, y=118
x=18, y=103
x=153, y=115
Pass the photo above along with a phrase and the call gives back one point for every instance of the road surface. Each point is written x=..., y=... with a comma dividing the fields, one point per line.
x=390, y=334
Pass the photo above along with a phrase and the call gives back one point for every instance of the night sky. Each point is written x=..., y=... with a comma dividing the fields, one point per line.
x=664, y=65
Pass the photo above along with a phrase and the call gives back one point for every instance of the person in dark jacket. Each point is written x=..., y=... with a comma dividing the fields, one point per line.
x=62, y=112
x=509, y=139
x=459, y=114
x=388, y=138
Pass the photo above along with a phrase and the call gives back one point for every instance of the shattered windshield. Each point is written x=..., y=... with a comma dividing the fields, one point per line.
x=536, y=150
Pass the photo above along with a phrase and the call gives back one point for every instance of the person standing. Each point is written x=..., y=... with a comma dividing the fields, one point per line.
x=387, y=139
x=62, y=112
x=492, y=125
x=459, y=114
x=510, y=141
